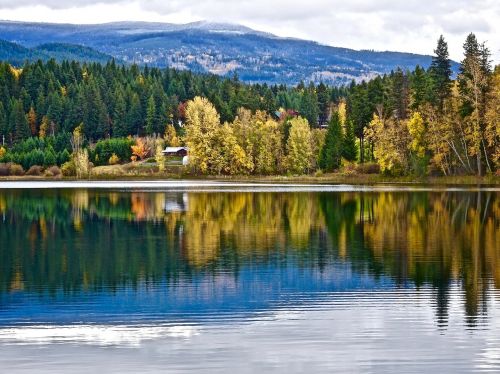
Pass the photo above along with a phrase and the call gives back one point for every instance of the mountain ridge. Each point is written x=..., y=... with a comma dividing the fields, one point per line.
x=218, y=48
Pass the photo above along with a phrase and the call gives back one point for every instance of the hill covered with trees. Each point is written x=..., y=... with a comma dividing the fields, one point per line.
x=405, y=122
x=17, y=54
x=221, y=49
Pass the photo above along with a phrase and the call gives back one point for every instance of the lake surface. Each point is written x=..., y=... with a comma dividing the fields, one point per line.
x=219, y=277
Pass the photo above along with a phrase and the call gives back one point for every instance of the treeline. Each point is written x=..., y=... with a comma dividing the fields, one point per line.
x=425, y=121
x=116, y=101
x=416, y=122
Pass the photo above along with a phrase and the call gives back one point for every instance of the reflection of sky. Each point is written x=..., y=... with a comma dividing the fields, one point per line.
x=255, y=288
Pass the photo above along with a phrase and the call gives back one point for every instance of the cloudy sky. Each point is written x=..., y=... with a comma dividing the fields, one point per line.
x=409, y=25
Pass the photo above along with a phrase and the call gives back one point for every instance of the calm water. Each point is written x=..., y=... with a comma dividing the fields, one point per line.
x=239, y=278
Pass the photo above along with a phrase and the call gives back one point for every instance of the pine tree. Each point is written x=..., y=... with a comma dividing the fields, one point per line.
x=309, y=105
x=19, y=122
x=331, y=154
x=3, y=124
x=474, y=84
x=441, y=72
x=134, y=116
x=323, y=103
x=120, y=116
x=349, y=149
x=418, y=88
x=151, y=116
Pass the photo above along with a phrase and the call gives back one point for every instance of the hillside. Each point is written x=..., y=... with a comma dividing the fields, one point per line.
x=217, y=48
x=17, y=54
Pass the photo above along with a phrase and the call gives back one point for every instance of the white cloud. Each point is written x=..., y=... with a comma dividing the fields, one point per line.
x=410, y=25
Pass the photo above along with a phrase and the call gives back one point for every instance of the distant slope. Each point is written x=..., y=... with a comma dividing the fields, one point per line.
x=65, y=51
x=17, y=54
x=218, y=48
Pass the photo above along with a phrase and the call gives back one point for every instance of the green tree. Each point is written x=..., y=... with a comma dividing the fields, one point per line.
x=120, y=128
x=441, y=72
x=349, y=148
x=19, y=122
x=331, y=154
x=474, y=85
x=151, y=116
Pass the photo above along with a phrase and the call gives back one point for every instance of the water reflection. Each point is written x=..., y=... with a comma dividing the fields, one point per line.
x=241, y=251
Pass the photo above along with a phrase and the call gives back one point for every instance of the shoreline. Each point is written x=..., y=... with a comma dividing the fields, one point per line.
x=326, y=179
x=241, y=185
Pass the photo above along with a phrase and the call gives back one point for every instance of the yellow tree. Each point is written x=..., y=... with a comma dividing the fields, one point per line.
x=416, y=128
x=171, y=136
x=202, y=122
x=492, y=131
x=391, y=143
x=231, y=157
x=298, y=146
x=140, y=149
x=44, y=127
x=32, y=121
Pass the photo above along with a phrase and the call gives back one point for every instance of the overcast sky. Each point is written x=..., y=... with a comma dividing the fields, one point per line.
x=400, y=25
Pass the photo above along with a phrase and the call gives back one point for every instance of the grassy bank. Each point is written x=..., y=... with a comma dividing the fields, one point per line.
x=149, y=173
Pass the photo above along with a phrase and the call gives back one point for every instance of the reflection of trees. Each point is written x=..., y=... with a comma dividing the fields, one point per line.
x=84, y=238
x=436, y=238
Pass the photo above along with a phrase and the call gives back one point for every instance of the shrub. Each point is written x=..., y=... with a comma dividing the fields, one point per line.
x=35, y=170
x=15, y=169
x=4, y=170
x=53, y=171
x=49, y=158
x=63, y=157
x=368, y=168
x=68, y=169
x=83, y=166
x=104, y=150
x=114, y=159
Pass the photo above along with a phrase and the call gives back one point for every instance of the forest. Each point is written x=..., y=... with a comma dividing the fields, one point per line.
x=77, y=116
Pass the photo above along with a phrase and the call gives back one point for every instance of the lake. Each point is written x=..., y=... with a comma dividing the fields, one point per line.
x=219, y=277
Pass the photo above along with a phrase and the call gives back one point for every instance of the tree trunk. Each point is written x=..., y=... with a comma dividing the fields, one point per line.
x=479, y=169
x=361, y=150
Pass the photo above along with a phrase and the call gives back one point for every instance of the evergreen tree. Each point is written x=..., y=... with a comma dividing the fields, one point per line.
x=473, y=81
x=151, y=116
x=309, y=105
x=3, y=124
x=120, y=116
x=419, y=88
x=134, y=116
x=323, y=103
x=331, y=154
x=441, y=72
x=19, y=122
x=349, y=149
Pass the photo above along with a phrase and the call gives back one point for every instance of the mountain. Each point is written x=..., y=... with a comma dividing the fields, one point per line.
x=217, y=48
x=17, y=54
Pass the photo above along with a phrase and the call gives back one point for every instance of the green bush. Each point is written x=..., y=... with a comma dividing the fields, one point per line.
x=105, y=149
x=49, y=158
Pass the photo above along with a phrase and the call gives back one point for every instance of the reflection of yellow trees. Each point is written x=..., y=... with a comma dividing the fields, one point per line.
x=249, y=222
x=442, y=234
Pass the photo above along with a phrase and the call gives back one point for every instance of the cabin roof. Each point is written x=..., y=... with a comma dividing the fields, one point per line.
x=174, y=149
